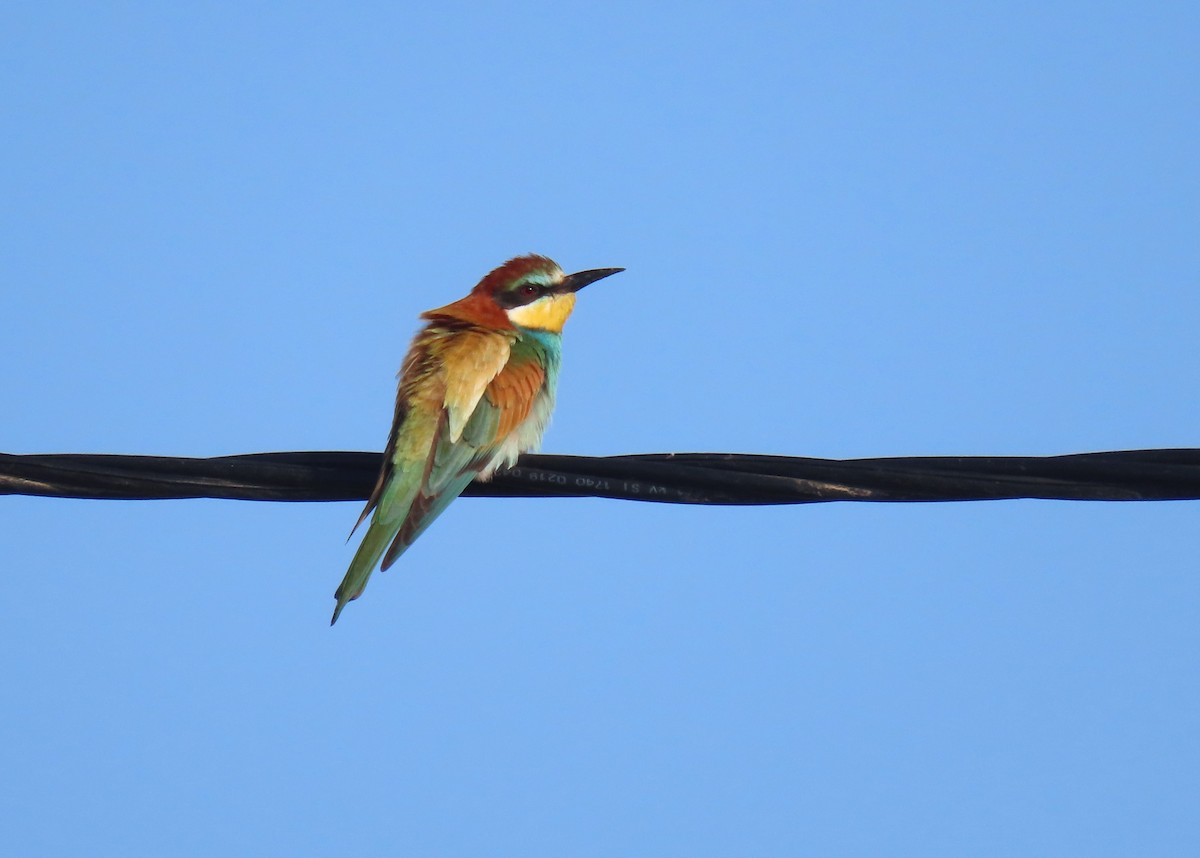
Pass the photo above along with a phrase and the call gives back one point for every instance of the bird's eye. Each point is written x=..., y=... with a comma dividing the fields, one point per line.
x=520, y=295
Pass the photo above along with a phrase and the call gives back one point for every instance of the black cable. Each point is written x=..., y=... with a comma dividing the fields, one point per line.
x=699, y=478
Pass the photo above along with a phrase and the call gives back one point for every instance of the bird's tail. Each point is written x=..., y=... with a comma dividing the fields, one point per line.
x=365, y=560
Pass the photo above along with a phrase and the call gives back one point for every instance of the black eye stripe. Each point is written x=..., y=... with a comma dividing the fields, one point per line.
x=521, y=295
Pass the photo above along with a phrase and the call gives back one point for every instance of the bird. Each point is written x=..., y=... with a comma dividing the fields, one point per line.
x=476, y=389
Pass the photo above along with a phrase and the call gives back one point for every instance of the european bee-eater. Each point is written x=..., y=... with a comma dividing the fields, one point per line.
x=476, y=390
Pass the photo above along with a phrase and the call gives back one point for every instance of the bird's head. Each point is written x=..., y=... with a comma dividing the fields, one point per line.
x=527, y=291
x=533, y=292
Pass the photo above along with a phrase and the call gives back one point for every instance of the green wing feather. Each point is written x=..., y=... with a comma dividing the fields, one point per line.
x=414, y=491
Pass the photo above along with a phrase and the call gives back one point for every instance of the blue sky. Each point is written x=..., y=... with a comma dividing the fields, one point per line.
x=849, y=229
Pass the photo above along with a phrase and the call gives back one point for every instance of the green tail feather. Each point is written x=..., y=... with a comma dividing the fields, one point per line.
x=365, y=560
x=394, y=505
x=399, y=537
x=417, y=492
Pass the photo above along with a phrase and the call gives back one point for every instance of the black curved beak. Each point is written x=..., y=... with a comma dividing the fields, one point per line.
x=575, y=282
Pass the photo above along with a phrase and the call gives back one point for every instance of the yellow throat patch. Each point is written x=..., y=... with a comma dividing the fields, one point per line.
x=548, y=313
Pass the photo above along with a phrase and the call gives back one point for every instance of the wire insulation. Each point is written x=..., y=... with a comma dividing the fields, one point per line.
x=691, y=478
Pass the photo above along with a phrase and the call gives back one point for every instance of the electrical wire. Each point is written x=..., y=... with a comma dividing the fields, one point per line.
x=690, y=478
